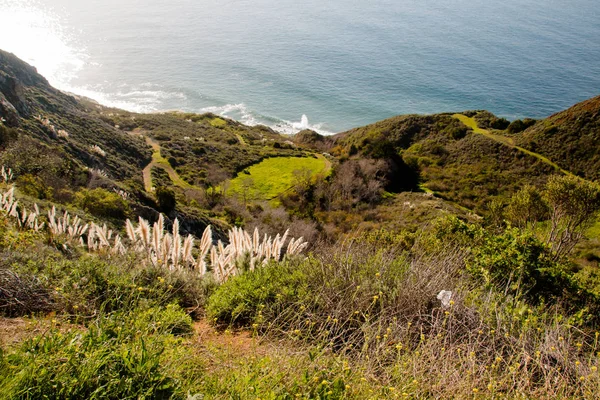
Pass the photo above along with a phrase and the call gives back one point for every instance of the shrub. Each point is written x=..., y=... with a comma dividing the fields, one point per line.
x=34, y=186
x=520, y=125
x=574, y=205
x=118, y=357
x=102, y=203
x=519, y=264
x=21, y=294
x=240, y=301
x=166, y=199
x=7, y=135
x=526, y=207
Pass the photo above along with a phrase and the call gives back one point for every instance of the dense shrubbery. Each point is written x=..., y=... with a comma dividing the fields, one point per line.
x=119, y=357
x=519, y=125
x=102, y=203
x=7, y=135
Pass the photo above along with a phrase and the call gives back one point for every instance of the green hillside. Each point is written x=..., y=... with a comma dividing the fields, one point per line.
x=571, y=138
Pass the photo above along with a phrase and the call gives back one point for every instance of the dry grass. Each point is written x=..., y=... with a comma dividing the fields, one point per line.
x=379, y=309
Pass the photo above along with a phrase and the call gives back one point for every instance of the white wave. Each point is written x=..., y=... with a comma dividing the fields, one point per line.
x=290, y=127
x=112, y=101
x=238, y=112
x=241, y=113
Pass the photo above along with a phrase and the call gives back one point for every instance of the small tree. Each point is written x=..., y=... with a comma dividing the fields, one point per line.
x=574, y=204
x=526, y=207
x=247, y=185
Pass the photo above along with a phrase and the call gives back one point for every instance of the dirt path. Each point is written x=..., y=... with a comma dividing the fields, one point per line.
x=159, y=161
x=471, y=123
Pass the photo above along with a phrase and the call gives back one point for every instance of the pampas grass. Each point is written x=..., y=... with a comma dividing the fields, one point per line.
x=6, y=174
x=159, y=248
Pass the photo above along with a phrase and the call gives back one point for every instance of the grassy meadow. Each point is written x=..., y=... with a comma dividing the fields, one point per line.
x=273, y=176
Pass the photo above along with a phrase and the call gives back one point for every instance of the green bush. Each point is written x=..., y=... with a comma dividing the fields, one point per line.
x=7, y=135
x=102, y=203
x=88, y=285
x=34, y=186
x=117, y=357
x=520, y=125
x=518, y=264
x=239, y=301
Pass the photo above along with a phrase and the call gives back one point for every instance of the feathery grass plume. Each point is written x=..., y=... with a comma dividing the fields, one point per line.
x=201, y=266
x=296, y=246
x=188, y=245
x=281, y=243
x=160, y=224
x=214, y=262
x=102, y=235
x=91, y=242
x=6, y=174
x=165, y=249
x=144, y=232
x=130, y=232
x=118, y=247
x=157, y=238
x=98, y=150
x=255, y=239
x=176, y=252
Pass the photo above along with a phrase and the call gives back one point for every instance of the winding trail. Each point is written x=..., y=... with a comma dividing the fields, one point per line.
x=507, y=141
x=159, y=161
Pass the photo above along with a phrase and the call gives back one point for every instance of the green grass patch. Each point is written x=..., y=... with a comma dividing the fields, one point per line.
x=218, y=122
x=273, y=176
x=593, y=232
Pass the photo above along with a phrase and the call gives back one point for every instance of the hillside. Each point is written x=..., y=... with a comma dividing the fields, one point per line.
x=441, y=154
x=571, y=138
x=67, y=144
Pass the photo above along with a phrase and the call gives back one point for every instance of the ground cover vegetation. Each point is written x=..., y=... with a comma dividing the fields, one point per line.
x=177, y=255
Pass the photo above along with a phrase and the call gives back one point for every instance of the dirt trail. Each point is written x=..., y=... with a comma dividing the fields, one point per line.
x=160, y=162
x=507, y=141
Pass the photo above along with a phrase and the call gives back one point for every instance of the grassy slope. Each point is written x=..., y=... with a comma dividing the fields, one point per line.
x=456, y=163
x=273, y=176
x=471, y=123
x=571, y=138
x=158, y=161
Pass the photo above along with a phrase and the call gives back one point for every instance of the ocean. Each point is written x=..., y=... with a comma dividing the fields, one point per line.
x=325, y=65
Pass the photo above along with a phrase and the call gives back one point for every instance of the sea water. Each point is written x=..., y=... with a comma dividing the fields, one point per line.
x=325, y=65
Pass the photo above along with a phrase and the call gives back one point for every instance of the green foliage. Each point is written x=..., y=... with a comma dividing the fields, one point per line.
x=240, y=300
x=34, y=186
x=120, y=357
x=570, y=138
x=486, y=119
x=7, y=135
x=574, y=206
x=44, y=171
x=518, y=264
x=102, y=203
x=518, y=125
x=526, y=207
x=273, y=176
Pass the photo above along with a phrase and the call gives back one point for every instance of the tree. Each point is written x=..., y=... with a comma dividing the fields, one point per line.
x=526, y=207
x=247, y=185
x=215, y=185
x=574, y=204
